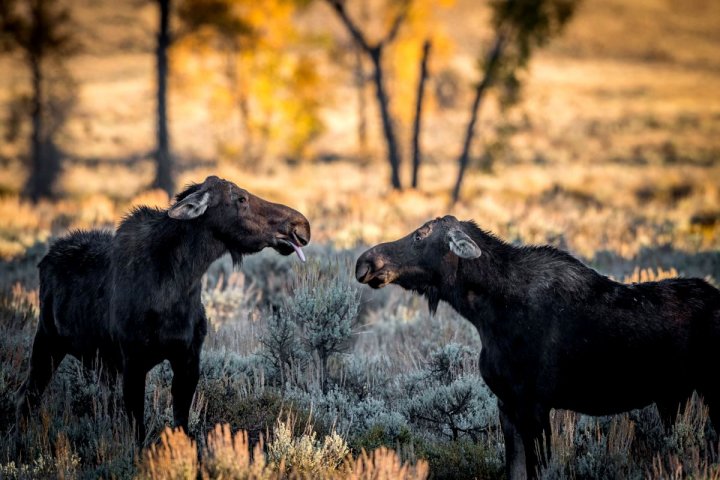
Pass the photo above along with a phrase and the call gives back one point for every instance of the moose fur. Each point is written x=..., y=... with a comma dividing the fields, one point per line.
x=556, y=333
x=132, y=300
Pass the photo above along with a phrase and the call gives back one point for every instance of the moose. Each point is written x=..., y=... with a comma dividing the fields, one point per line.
x=556, y=333
x=132, y=300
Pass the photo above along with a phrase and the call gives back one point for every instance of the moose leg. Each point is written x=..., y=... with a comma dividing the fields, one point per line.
x=134, y=374
x=534, y=428
x=47, y=353
x=186, y=372
x=546, y=434
x=514, y=448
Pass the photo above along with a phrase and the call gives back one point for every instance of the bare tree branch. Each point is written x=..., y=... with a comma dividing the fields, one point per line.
x=396, y=24
x=418, y=112
x=491, y=63
x=339, y=6
x=375, y=52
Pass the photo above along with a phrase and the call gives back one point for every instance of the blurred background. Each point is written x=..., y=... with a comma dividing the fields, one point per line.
x=593, y=125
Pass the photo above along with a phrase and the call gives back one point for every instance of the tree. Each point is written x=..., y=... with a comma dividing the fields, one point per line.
x=418, y=112
x=491, y=62
x=268, y=83
x=41, y=31
x=194, y=15
x=520, y=27
x=359, y=83
x=374, y=51
x=163, y=160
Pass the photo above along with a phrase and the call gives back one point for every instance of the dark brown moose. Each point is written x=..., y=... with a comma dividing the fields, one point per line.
x=556, y=333
x=133, y=299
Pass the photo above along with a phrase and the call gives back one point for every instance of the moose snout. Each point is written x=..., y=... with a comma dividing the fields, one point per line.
x=297, y=228
x=361, y=271
x=367, y=265
x=300, y=230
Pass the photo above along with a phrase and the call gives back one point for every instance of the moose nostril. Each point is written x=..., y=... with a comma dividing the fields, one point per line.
x=300, y=230
x=302, y=235
x=366, y=266
x=377, y=263
x=362, y=271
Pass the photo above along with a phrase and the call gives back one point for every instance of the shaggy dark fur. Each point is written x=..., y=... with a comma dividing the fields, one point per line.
x=557, y=334
x=133, y=300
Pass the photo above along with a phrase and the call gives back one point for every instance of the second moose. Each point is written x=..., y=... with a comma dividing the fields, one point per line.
x=557, y=334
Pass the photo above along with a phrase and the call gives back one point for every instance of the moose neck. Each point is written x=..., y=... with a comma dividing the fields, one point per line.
x=179, y=252
x=496, y=278
x=192, y=255
x=490, y=275
x=506, y=276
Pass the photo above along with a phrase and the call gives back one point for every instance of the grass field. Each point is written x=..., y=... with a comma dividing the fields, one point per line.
x=613, y=154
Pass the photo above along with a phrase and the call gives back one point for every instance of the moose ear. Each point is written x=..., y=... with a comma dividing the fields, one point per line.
x=462, y=245
x=190, y=207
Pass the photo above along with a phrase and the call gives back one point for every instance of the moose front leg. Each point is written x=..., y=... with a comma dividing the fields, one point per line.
x=47, y=352
x=534, y=426
x=514, y=447
x=527, y=435
x=186, y=372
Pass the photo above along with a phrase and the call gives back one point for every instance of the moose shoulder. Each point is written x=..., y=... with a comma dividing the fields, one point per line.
x=133, y=299
x=556, y=333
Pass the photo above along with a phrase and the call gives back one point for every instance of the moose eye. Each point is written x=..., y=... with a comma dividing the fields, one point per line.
x=417, y=236
x=242, y=199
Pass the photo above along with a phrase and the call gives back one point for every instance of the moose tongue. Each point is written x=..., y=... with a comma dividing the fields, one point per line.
x=298, y=250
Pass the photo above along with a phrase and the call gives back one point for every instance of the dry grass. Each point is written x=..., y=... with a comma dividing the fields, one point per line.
x=173, y=458
x=673, y=469
x=580, y=207
x=384, y=464
x=231, y=456
x=583, y=447
x=649, y=275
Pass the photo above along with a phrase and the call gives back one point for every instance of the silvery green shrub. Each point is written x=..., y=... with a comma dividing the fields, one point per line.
x=281, y=349
x=461, y=408
x=364, y=376
x=448, y=397
x=324, y=307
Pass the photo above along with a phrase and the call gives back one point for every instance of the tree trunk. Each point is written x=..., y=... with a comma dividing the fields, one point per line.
x=163, y=174
x=362, y=102
x=44, y=158
x=323, y=370
x=375, y=54
x=490, y=66
x=37, y=186
x=249, y=146
x=418, y=112
x=387, y=122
